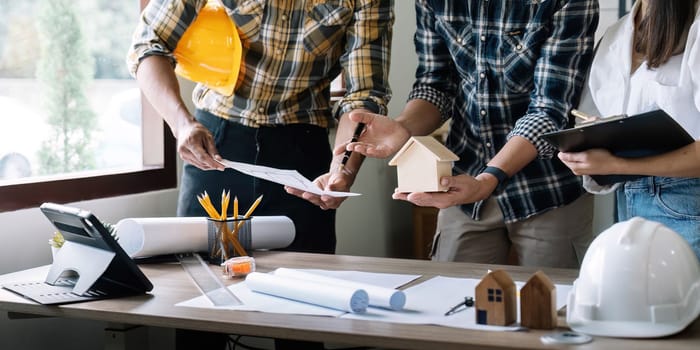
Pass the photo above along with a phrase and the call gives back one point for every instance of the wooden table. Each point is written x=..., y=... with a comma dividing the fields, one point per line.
x=172, y=285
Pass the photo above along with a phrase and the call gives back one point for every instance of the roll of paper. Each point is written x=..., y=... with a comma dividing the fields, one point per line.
x=378, y=296
x=144, y=237
x=330, y=296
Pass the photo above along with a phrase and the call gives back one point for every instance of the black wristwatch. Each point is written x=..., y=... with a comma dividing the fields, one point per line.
x=500, y=175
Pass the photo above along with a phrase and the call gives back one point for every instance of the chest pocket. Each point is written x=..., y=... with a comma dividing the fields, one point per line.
x=324, y=25
x=459, y=40
x=520, y=51
x=248, y=15
x=521, y=40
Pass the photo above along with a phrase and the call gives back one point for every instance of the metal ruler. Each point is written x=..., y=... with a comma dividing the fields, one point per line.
x=208, y=283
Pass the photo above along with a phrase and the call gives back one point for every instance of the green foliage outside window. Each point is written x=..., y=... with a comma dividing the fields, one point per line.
x=65, y=68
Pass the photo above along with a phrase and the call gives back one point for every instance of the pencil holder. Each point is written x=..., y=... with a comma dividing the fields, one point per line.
x=227, y=239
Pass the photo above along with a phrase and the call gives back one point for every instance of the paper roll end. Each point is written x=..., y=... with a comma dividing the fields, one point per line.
x=397, y=300
x=131, y=236
x=359, y=301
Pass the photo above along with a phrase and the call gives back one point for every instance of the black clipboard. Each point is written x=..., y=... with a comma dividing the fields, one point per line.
x=625, y=136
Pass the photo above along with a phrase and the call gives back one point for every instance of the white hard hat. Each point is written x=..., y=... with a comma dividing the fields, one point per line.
x=638, y=279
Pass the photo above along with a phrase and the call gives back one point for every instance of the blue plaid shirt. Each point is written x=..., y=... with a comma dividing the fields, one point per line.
x=500, y=69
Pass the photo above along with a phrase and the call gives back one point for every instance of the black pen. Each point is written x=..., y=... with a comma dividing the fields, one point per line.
x=355, y=136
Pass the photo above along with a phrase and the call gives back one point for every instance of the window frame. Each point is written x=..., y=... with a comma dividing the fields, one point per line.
x=73, y=188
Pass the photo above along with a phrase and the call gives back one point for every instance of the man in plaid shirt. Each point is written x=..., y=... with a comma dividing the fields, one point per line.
x=280, y=112
x=503, y=73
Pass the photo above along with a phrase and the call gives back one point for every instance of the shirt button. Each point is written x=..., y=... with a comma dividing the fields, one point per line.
x=284, y=17
x=482, y=112
x=482, y=75
x=278, y=52
x=261, y=110
x=518, y=47
x=488, y=144
x=483, y=37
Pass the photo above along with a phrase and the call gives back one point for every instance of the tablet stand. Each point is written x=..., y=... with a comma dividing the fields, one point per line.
x=88, y=262
x=103, y=268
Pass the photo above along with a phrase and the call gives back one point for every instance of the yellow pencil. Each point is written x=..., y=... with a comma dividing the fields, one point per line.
x=235, y=207
x=247, y=215
x=208, y=207
x=252, y=207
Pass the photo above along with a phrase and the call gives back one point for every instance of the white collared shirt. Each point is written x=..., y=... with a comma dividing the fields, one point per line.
x=673, y=87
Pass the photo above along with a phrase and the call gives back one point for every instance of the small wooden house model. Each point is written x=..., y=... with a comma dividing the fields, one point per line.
x=538, y=302
x=420, y=164
x=496, y=299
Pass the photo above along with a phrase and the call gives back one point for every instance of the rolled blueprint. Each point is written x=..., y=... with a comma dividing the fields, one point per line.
x=144, y=237
x=326, y=295
x=378, y=296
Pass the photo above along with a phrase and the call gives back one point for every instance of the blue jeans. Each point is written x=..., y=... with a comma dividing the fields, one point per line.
x=302, y=147
x=674, y=202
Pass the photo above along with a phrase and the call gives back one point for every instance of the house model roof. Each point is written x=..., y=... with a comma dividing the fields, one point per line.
x=501, y=277
x=428, y=143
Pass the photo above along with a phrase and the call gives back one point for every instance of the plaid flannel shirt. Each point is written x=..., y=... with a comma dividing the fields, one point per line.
x=500, y=69
x=292, y=52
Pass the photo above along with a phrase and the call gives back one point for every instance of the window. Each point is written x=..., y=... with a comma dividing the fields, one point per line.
x=495, y=295
x=73, y=123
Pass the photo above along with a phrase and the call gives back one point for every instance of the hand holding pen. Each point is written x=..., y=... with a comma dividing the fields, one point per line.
x=355, y=137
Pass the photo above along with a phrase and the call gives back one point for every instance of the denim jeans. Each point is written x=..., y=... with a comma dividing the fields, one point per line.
x=302, y=147
x=674, y=202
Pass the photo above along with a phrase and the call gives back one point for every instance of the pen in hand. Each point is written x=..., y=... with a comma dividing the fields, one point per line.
x=355, y=136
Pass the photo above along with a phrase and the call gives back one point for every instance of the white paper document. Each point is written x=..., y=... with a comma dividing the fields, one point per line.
x=285, y=177
x=427, y=302
x=253, y=301
x=350, y=299
x=385, y=297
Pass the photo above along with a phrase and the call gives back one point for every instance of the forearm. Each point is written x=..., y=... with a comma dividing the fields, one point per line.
x=683, y=162
x=159, y=84
x=515, y=155
x=420, y=117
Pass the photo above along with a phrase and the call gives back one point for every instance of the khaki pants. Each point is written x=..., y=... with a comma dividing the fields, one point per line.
x=555, y=238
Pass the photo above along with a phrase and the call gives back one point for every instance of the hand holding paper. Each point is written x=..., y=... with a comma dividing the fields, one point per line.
x=290, y=178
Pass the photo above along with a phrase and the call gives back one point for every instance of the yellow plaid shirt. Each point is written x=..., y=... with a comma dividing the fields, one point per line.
x=292, y=52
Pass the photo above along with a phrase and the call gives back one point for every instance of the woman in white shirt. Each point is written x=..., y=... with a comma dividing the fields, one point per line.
x=648, y=60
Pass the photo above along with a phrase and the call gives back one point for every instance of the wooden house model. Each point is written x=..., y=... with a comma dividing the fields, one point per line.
x=538, y=302
x=420, y=164
x=496, y=299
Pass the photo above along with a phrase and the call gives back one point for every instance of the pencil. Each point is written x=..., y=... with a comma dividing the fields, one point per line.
x=252, y=207
x=206, y=204
x=583, y=116
x=355, y=136
x=247, y=215
x=235, y=207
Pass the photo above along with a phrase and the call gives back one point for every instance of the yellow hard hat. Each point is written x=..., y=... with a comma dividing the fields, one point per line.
x=210, y=50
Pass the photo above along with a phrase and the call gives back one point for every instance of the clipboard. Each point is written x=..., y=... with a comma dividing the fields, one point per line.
x=634, y=136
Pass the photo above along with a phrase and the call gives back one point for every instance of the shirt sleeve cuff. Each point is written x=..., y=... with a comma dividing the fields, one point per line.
x=530, y=128
x=373, y=104
x=135, y=56
x=441, y=100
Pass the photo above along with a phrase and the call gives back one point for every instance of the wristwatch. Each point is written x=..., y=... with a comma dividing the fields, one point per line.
x=500, y=175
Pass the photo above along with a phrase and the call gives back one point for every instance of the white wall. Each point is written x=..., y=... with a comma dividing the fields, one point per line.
x=374, y=224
